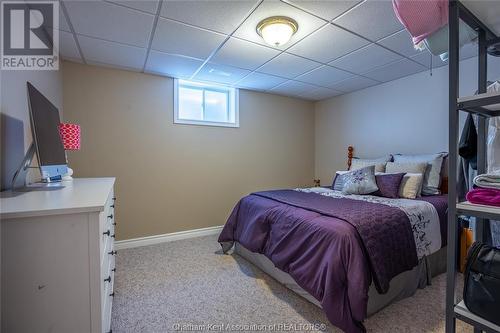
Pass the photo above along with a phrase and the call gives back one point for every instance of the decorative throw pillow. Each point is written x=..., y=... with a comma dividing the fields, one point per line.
x=361, y=181
x=388, y=184
x=407, y=167
x=432, y=176
x=411, y=185
x=338, y=181
x=358, y=163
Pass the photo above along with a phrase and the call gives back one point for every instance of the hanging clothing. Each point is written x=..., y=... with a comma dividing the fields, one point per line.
x=467, y=147
x=421, y=18
x=493, y=139
x=467, y=150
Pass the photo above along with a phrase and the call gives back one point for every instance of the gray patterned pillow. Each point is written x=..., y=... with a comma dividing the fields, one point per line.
x=361, y=181
x=359, y=164
x=432, y=175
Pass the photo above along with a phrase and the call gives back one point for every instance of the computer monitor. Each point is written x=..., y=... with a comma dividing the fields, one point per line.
x=47, y=141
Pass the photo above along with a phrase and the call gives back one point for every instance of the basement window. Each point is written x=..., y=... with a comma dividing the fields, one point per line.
x=205, y=104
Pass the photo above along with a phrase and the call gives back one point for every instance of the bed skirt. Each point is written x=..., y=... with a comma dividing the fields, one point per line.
x=401, y=286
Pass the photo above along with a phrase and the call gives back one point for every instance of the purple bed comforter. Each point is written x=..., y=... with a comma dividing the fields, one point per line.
x=332, y=247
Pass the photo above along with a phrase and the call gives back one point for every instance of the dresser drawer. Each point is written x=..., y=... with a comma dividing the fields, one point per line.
x=107, y=256
x=107, y=310
x=107, y=285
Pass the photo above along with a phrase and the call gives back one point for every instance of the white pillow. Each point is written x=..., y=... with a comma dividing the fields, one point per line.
x=408, y=167
x=432, y=176
x=411, y=185
x=358, y=163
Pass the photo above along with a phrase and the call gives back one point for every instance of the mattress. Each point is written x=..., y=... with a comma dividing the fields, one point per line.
x=402, y=286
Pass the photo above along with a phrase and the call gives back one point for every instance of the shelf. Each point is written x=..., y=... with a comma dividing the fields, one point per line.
x=462, y=313
x=482, y=211
x=487, y=104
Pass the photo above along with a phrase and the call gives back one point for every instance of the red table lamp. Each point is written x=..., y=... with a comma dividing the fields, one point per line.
x=71, y=139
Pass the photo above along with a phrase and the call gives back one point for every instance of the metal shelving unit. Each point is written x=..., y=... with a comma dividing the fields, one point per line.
x=485, y=105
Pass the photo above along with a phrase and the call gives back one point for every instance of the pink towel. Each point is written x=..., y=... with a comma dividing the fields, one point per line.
x=421, y=17
x=484, y=196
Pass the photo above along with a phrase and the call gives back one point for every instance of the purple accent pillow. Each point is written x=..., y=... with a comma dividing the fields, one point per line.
x=388, y=185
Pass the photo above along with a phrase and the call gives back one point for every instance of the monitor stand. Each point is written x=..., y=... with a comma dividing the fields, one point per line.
x=45, y=184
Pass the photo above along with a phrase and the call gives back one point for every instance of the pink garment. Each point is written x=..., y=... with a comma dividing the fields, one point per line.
x=484, y=196
x=421, y=17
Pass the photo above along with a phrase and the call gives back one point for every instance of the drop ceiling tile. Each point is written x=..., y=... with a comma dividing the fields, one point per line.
x=103, y=20
x=288, y=65
x=400, y=42
x=67, y=46
x=63, y=22
x=307, y=23
x=354, y=83
x=324, y=76
x=240, y=53
x=260, y=81
x=172, y=65
x=293, y=88
x=220, y=73
x=395, y=70
x=373, y=19
x=327, y=44
x=425, y=57
x=221, y=16
x=327, y=10
x=177, y=38
x=150, y=6
x=320, y=93
x=469, y=50
x=104, y=52
x=365, y=59
x=486, y=12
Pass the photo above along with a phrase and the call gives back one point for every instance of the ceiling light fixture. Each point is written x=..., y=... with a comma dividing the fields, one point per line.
x=277, y=30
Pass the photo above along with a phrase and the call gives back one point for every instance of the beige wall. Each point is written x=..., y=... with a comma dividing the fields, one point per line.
x=409, y=115
x=180, y=177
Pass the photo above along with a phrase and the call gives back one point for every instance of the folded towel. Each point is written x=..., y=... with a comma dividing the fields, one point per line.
x=488, y=180
x=484, y=196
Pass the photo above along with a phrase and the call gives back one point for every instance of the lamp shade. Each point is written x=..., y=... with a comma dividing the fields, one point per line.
x=70, y=136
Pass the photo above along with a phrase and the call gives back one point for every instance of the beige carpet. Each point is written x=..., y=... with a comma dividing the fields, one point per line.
x=190, y=283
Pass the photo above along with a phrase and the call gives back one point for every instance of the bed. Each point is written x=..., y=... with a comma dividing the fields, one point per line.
x=350, y=255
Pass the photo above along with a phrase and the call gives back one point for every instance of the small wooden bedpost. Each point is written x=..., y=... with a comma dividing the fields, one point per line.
x=350, y=149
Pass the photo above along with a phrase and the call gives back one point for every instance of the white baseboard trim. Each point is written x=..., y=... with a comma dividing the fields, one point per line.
x=157, y=239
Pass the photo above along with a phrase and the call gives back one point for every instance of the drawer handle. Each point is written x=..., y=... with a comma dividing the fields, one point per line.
x=110, y=331
x=112, y=236
x=108, y=279
x=107, y=233
x=112, y=206
x=110, y=216
x=112, y=294
x=113, y=252
x=113, y=270
x=114, y=198
x=114, y=223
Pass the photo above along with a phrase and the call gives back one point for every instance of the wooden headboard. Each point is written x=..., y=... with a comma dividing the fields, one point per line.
x=350, y=154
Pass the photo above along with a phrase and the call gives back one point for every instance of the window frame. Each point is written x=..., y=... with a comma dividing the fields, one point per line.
x=208, y=87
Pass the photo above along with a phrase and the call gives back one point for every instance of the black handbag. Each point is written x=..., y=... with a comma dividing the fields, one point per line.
x=482, y=282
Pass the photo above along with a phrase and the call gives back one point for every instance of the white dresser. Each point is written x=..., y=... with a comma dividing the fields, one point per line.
x=58, y=258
